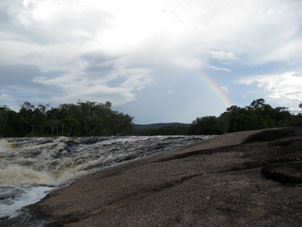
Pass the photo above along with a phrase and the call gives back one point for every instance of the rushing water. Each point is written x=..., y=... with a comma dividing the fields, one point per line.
x=32, y=167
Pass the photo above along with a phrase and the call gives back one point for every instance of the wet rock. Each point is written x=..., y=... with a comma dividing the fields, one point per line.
x=289, y=172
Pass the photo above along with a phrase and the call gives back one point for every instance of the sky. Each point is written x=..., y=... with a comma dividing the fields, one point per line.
x=158, y=61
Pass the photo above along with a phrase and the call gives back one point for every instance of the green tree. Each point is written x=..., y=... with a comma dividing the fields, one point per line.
x=10, y=124
x=209, y=125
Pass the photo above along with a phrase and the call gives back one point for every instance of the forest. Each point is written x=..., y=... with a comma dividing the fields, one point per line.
x=97, y=119
x=258, y=115
x=81, y=119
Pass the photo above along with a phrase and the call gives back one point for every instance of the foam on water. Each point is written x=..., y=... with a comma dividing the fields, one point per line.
x=55, y=161
x=16, y=175
x=14, y=198
x=5, y=146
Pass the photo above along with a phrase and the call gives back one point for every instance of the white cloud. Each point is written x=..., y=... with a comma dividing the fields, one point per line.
x=191, y=30
x=80, y=86
x=3, y=99
x=295, y=109
x=184, y=34
x=137, y=78
x=225, y=89
x=220, y=69
x=225, y=56
x=288, y=84
x=8, y=100
x=285, y=89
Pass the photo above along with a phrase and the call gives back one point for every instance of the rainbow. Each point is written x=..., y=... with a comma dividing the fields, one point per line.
x=216, y=90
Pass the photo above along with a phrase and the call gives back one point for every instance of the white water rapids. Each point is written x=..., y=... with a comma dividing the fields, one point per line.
x=32, y=167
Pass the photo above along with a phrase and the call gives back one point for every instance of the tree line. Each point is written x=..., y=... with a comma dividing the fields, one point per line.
x=258, y=115
x=80, y=119
x=97, y=119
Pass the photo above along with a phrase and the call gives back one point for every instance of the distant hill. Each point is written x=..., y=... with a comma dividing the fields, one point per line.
x=158, y=125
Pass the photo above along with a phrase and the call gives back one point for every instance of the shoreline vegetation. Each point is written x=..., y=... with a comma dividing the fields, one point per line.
x=97, y=119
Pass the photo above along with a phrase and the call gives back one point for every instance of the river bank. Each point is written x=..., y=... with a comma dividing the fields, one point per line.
x=219, y=182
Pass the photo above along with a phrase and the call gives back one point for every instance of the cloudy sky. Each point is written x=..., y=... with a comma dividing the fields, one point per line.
x=159, y=60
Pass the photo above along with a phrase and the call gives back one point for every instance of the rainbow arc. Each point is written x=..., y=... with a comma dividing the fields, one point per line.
x=216, y=90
